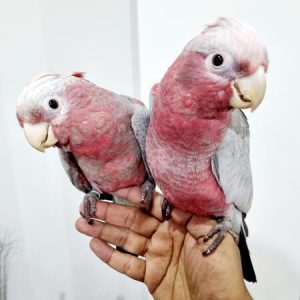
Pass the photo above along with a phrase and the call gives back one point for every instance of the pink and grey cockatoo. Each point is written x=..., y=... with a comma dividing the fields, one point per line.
x=100, y=135
x=198, y=139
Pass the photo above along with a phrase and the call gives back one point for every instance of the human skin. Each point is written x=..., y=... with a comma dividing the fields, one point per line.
x=173, y=267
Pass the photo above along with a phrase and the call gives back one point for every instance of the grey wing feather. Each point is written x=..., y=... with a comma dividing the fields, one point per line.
x=140, y=122
x=231, y=164
x=74, y=172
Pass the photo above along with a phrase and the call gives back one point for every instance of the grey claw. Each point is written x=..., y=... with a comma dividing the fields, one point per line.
x=89, y=205
x=215, y=229
x=147, y=190
x=220, y=229
x=216, y=243
x=166, y=209
x=90, y=221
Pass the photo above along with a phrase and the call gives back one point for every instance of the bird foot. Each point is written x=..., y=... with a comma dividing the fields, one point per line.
x=147, y=189
x=89, y=205
x=220, y=228
x=166, y=209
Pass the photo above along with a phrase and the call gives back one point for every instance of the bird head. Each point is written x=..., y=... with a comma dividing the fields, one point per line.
x=224, y=67
x=41, y=106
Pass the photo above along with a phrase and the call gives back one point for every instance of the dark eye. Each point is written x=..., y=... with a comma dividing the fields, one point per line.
x=217, y=60
x=53, y=103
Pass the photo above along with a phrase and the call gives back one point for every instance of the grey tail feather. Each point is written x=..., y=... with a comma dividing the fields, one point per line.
x=245, y=227
x=248, y=270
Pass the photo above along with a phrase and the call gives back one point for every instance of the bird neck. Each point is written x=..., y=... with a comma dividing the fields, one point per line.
x=191, y=108
x=189, y=134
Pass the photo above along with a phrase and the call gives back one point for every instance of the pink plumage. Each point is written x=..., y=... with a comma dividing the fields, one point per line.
x=180, y=148
x=198, y=139
x=93, y=124
x=192, y=112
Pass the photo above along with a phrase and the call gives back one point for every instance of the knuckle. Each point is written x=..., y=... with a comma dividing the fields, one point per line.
x=130, y=218
x=145, y=246
x=100, y=230
x=127, y=267
x=123, y=239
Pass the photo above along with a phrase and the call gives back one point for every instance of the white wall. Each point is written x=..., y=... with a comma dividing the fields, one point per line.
x=164, y=29
x=38, y=203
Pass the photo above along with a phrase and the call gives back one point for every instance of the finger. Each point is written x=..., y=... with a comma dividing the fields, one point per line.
x=133, y=194
x=180, y=217
x=126, y=216
x=127, y=239
x=127, y=264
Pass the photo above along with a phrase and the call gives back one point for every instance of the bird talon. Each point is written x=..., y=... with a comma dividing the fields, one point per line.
x=89, y=205
x=166, y=209
x=215, y=229
x=147, y=189
x=90, y=221
x=206, y=252
x=217, y=241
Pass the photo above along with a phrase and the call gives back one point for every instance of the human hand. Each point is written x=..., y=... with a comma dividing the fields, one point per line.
x=166, y=256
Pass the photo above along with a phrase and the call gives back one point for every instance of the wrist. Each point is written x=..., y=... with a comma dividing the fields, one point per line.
x=220, y=276
x=220, y=293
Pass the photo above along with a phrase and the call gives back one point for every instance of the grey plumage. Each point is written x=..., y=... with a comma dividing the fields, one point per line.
x=76, y=175
x=73, y=171
x=231, y=164
x=232, y=169
x=140, y=123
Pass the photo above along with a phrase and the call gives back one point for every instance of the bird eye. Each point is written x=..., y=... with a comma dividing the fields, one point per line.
x=53, y=103
x=217, y=60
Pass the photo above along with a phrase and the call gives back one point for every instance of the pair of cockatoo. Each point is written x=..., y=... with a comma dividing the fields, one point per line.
x=194, y=143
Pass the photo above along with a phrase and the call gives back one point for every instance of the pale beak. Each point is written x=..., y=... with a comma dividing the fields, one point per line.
x=40, y=136
x=248, y=92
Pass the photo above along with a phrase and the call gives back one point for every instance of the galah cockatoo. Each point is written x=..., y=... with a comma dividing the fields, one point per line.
x=100, y=135
x=197, y=144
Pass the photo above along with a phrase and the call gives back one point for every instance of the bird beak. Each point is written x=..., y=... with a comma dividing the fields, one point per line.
x=40, y=136
x=248, y=92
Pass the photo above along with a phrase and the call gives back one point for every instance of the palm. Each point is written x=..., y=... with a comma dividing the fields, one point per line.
x=166, y=256
x=174, y=259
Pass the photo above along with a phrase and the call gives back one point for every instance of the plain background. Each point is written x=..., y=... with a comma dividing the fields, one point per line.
x=126, y=46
